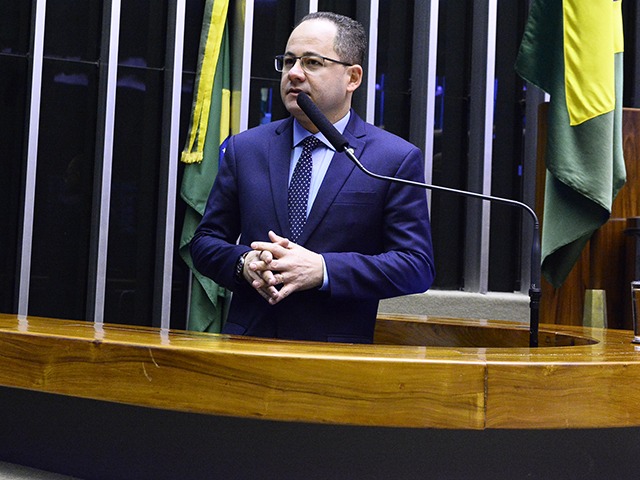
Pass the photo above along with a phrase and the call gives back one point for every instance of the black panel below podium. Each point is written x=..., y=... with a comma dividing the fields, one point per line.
x=98, y=440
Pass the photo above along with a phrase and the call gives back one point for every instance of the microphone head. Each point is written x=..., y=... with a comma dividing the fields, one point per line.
x=305, y=102
x=321, y=122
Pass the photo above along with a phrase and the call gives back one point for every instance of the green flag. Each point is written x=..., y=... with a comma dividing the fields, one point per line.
x=572, y=50
x=210, y=126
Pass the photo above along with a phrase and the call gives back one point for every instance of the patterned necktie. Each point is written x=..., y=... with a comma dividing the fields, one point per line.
x=299, y=188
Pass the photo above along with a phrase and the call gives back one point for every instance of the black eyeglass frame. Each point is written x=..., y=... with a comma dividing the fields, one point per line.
x=280, y=59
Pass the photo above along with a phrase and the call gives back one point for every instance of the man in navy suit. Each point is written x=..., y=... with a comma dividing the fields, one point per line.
x=363, y=240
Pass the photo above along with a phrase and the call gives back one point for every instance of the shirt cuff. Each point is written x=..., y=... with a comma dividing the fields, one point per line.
x=325, y=277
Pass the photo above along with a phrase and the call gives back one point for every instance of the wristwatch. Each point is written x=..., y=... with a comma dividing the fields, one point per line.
x=240, y=266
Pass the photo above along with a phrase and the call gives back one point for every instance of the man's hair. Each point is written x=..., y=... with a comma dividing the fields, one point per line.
x=351, y=39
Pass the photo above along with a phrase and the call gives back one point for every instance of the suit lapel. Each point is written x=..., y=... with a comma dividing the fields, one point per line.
x=339, y=170
x=279, y=161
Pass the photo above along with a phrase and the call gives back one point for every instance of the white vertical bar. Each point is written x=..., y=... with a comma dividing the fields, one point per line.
x=246, y=66
x=105, y=186
x=431, y=92
x=172, y=173
x=313, y=6
x=488, y=143
x=372, y=61
x=32, y=159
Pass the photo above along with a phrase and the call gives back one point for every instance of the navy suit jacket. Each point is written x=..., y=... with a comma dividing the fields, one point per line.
x=374, y=235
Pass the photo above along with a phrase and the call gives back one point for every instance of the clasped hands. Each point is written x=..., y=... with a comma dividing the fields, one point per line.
x=278, y=268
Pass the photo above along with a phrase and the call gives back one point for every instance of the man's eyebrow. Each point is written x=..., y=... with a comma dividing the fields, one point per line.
x=304, y=54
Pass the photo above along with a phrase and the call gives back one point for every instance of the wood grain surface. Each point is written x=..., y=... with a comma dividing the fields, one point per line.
x=422, y=372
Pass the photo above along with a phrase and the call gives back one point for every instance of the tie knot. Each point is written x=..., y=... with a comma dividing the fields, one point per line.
x=310, y=142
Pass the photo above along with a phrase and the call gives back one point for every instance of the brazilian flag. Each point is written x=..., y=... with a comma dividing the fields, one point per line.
x=210, y=127
x=572, y=49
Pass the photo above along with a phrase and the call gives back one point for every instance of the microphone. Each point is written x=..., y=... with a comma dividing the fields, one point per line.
x=341, y=144
x=322, y=123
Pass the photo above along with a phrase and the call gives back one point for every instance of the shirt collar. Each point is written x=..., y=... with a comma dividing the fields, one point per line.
x=300, y=133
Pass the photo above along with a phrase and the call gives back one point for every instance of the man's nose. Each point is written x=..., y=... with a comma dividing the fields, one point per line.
x=297, y=70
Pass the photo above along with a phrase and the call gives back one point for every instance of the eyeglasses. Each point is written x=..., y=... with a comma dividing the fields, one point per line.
x=309, y=63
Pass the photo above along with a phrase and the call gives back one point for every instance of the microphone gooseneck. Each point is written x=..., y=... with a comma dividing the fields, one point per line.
x=341, y=144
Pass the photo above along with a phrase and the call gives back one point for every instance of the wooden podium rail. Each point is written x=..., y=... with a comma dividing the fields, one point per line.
x=434, y=398
x=457, y=374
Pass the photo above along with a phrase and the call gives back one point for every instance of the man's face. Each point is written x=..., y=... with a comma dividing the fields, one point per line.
x=331, y=86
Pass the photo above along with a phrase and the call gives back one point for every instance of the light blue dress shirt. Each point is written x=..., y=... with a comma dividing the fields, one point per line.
x=322, y=156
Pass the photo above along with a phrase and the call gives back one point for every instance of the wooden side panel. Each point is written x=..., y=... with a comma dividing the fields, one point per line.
x=528, y=396
x=604, y=261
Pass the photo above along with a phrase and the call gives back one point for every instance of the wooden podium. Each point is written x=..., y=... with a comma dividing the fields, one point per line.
x=434, y=397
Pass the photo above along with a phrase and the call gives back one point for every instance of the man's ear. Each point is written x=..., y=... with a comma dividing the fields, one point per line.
x=355, y=77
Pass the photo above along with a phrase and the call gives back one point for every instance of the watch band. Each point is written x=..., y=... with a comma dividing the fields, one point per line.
x=240, y=266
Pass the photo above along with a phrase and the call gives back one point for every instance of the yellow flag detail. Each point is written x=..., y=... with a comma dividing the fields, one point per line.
x=225, y=115
x=592, y=36
x=194, y=152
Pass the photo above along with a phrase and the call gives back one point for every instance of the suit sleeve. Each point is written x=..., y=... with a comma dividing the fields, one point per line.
x=405, y=263
x=213, y=247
